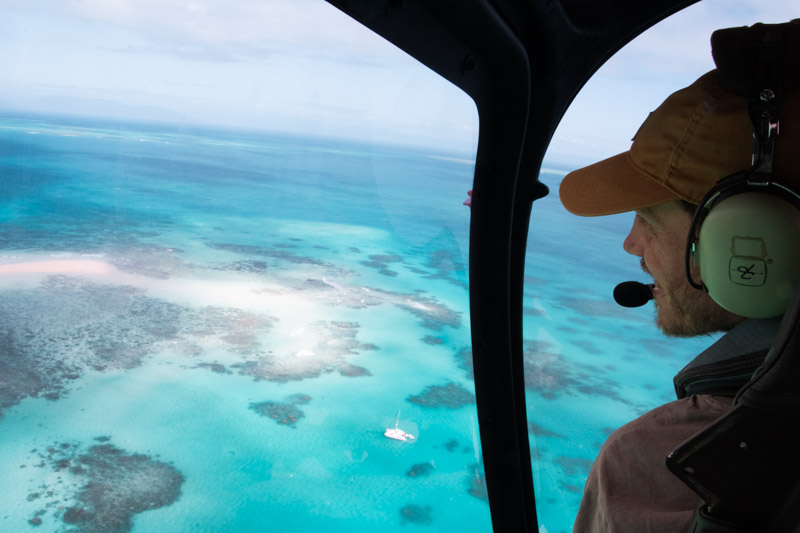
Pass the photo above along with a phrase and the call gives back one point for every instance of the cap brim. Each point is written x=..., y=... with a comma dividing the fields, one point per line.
x=611, y=186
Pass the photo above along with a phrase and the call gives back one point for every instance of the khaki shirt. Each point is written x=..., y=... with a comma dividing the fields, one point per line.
x=629, y=489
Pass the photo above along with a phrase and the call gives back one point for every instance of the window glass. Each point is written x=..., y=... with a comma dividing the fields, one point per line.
x=233, y=274
x=591, y=365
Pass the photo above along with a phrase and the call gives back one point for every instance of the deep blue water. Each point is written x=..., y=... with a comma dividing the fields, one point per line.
x=213, y=328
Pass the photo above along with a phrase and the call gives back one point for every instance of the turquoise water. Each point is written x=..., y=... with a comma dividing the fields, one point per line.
x=213, y=328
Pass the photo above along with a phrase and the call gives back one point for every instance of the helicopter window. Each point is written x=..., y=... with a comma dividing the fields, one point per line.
x=233, y=274
x=591, y=365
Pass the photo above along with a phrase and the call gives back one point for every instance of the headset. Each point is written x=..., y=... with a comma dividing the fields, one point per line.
x=745, y=234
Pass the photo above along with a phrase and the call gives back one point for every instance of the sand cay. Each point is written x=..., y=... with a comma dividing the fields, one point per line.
x=58, y=266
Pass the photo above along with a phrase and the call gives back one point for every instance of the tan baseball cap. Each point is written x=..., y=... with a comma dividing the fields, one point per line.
x=698, y=136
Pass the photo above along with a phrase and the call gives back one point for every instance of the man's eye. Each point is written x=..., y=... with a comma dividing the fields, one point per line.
x=646, y=223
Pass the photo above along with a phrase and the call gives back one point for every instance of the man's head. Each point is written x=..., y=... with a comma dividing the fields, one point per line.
x=698, y=136
x=658, y=237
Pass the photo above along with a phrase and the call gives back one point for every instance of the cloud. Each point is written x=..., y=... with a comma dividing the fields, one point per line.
x=217, y=30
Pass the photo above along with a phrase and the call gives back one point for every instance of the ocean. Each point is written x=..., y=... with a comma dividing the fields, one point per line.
x=210, y=330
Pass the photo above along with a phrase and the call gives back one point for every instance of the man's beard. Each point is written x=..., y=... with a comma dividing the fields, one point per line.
x=688, y=312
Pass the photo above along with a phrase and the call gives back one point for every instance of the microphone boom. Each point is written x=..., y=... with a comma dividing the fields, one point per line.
x=633, y=293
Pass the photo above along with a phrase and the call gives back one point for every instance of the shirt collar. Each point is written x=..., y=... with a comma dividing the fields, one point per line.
x=728, y=364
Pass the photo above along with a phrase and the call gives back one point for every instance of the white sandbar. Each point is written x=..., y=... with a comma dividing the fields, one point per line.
x=61, y=266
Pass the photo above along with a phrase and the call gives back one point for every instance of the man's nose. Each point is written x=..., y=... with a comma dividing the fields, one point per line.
x=634, y=242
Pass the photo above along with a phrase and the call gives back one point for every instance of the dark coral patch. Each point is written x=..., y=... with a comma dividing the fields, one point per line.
x=420, y=470
x=607, y=430
x=354, y=371
x=282, y=413
x=381, y=263
x=477, y=483
x=285, y=412
x=451, y=445
x=217, y=368
x=588, y=346
x=417, y=514
x=386, y=258
x=114, y=486
x=549, y=374
x=541, y=431
x=573, y=466
x=450, y=396
x=447, y=265
x=122, y=485
x=298, y=399
x=464, y=360
x=570, y=487
x=277, y=253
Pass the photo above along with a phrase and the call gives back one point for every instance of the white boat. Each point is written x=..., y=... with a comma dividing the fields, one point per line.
x=396, y=433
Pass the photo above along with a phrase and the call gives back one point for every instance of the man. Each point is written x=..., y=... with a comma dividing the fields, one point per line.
x=698, y=136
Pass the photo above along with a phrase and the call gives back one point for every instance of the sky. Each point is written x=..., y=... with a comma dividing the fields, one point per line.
x=261, y=64
x=669, y=56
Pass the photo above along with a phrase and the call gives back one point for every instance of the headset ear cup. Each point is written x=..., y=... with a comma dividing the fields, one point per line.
x=748, y=252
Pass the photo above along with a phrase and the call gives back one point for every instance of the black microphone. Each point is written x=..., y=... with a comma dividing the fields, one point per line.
x=633, y=293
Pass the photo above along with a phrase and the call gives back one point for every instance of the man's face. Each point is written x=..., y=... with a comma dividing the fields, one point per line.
x=658, y=236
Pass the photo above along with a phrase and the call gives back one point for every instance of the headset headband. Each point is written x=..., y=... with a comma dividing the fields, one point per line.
x=765, y=52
